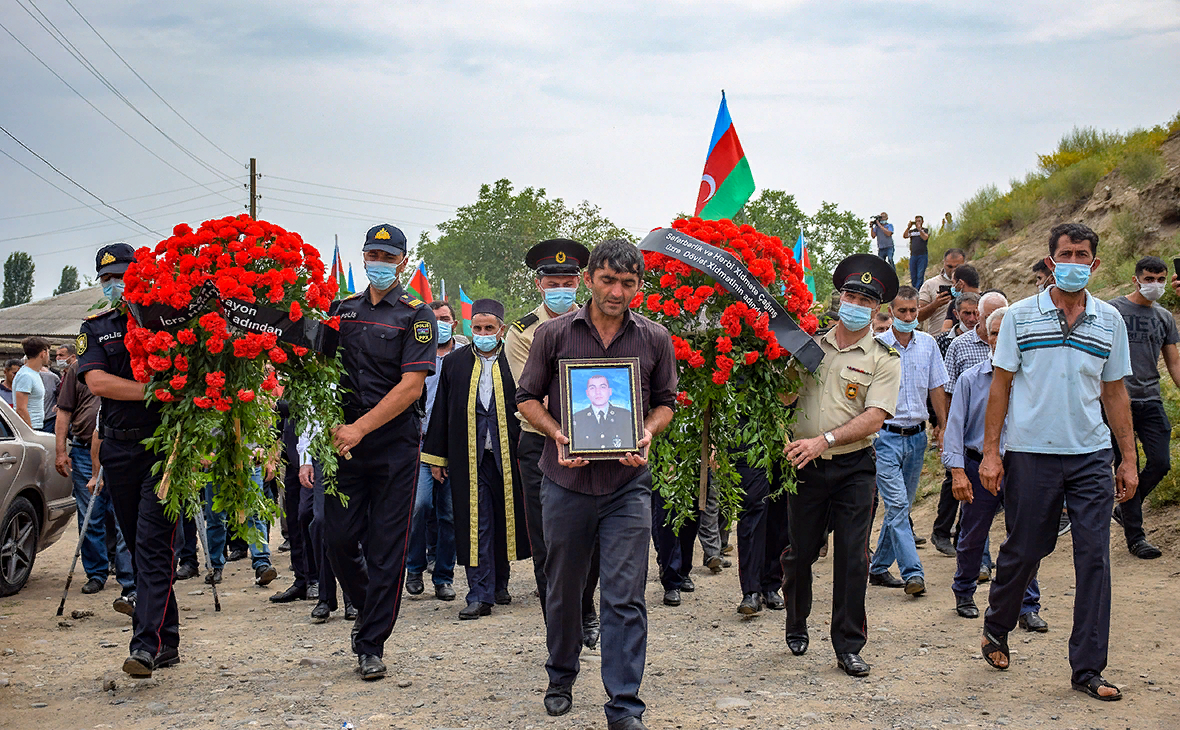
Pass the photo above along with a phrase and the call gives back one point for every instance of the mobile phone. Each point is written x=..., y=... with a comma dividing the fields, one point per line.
x=946, y=289
x=1176, y=266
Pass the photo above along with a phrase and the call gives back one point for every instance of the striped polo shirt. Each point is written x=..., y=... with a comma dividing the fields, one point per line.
x=1058, y=374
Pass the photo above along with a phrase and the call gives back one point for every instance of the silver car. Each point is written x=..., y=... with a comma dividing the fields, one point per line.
x=36, y=501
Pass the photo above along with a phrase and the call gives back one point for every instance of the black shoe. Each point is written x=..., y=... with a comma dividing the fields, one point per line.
x=725, y=563
x=852, y=665
x=169, y=656
x=915, y=586
x=943, y=545
x=350, y=612
x=1063, y=524
x=285, y=547
x=559, y=698
x=966, y=607
x=186, y=571
x=1032, y=621
x=590, y=630
x=236, y=554
x=503, y=597
x=295, y=593
x=214, y=576
x=774, y=601
x=985, y=574
x=264, y=574
x=321, y=613
x=444, y=592
x=885, y=580
x=474, y=610
x=686, y=585
x=414, y=585
x=627, y=723
x=370, y=667
x=713, y=563
x=672, y=597
x=139, y=664
x=1117, y=515
x=94, y=585
x=125, y=604
x=750, y=605
x=1144, y=550
x=919, y=541
x=797, y=642
x=313, y=591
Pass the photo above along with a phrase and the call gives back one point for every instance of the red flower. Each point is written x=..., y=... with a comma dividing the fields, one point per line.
x=215, y=379
x=181, y=363
x=300, y=351
x=202, y=402
x=245, y=395
x=187, y=337
x=164, y=395
x=696, y=360
x=667, y=281
x=333, y=322
x=671, y=308
x=683, y=399
x=215, y=345
x=693, y=304
x=704, y=292
x=751, y=358
x=724, y=344
x=724, y=363
x=159, y=363
x=654, y=303
x=296, y=313
x=683, y=292
x=178, y=381
x=277, y=356
x=636, y=301
x=720, y=377
x=222, y=404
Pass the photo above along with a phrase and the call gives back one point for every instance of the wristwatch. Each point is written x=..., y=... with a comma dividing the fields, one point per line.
x=830, y=439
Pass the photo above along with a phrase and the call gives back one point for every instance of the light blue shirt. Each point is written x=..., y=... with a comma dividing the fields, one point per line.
x=884, y=234
x=29, y=381
x=432, y=390
x=965, y=422
x=1055, y=406
x=922, y=371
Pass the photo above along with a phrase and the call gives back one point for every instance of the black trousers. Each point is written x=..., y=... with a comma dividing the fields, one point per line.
x=319, y=543
x=838, y=491
x=1155, y=434
x=673, y=551
x=762, y=533
x=948, y=509
x=493, y=569
x=188, y=549
x=368, y=540
x=153, y=539
x=297, y=505
x=528, y=457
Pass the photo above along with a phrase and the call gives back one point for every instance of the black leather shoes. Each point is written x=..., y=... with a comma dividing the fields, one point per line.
x=264, y=574
x=915, y=586
x=94, y=585
x=350, y=612
x=852, y=665
x=1032, y=621
x=475, y=610
x=321, y=613
x=169, y=656
x=125, y=604
x=687, y=586
x=943, y=545
x=559, y=698
x=444, y=592
x=627, y=723
x=797, y=642
x=750, y=605
x=295, y=593
x=774, y=600
x=672, y=597
x=590, y=630
x=885, y=580
x=503, y=597
x=313, y=591
x=370, y=667
x=186, y=571
x=139, y=664
x=414, y=585
x=214, y=576
x=966, y=608
x=1144, y=550
x=236, y=554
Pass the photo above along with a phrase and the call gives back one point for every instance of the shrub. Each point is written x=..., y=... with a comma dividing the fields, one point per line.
x=1080, y=143
x=1168, y=491
x=1075, y=182
x=1142, y=165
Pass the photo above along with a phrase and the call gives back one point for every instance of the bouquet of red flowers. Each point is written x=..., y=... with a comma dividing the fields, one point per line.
x=223, y=320
x=732, y=368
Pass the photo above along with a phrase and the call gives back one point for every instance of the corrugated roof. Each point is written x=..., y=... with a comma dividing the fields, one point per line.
x=58, y=317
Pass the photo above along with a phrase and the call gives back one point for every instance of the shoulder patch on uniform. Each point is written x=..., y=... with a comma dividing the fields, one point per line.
x=353, y=296
x=423, y=331
x=526, y=321
x=888, y=348
x=81, y=344
x=411, y=301
x=99, y=314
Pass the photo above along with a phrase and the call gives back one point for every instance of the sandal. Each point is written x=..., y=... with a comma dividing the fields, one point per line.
x=1091, y=686
x=994, y=645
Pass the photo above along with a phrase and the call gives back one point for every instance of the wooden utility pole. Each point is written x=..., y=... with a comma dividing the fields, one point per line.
x=254, y=188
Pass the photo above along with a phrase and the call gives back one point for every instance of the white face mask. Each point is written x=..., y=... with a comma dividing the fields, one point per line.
x=1151, y=291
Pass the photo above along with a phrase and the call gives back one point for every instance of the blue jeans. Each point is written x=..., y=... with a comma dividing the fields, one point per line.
x=918, y=263
x=429, y=495
x=899, y=464
x=887, y=254
x=215, y=525
x=94, y=547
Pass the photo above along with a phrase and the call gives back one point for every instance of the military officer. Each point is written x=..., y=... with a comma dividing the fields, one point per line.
x=854, y=391
x=153, y=538
x=387, y=343
x=602, y=425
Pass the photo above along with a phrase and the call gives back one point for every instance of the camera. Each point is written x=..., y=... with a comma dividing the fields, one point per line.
x=874, y=220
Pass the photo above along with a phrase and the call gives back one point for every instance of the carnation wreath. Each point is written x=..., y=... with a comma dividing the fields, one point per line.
x=222, y=321
x=732, y=368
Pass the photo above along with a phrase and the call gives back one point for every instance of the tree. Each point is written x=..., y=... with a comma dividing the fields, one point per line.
x=776, y=213
x=18, y=279
x=69, y=281
x=831, y=235
x=486, y=242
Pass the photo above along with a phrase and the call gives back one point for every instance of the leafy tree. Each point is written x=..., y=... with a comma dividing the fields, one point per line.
x=776, y=213
x=831, y=235
x=18, y=279
x=69, y=281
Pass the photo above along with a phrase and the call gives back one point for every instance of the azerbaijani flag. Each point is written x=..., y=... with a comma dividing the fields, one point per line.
x=342, y=289
x=351, y=286
x=465, y=303
x=804, y=260
x=727, y=182
x=419, y=285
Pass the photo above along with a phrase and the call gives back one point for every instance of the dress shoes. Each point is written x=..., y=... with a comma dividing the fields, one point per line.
x=885, y=580
x=321, y=613
x=186, y=571
x=125, y=604
x=672, y=597
x=627, y=723
x=985, y=574
x=444, y=592
x=94, y=585
x=264, y=574
x=919, y=541
x=414, y=585
x=559, y=698
x=285, y=547
x=139, y=664
x=475, y=610
x=852, y=665
x=236, y=554
x=687, y=586
x=943, y=545
x=590, y=630
x=1032, y=621
x=370, y=667
x=213, y=577
x=915, y=586
x=713, y=563
x=798, y=644
x=350, y=612
x=295, y=593
x=169, y=656
x=503, y=597
x=774, y=600
x=966, y=607
x=313, y=591
x=750, y=605
x=1144, y=550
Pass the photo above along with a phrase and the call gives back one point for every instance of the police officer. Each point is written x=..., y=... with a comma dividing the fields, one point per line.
x=152, y=537
x=387, y=343
x=558, y=263
x=854, y=391
x=602, y=424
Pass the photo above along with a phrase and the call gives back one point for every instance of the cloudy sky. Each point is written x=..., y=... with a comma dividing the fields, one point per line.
x=903, y=106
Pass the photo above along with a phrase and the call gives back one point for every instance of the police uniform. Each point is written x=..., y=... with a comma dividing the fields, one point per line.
x=554, y=257
x=152, y=537
x=367, y=539
x=839, y=484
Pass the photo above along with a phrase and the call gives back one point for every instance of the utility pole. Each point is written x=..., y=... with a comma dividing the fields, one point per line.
x=254, y=188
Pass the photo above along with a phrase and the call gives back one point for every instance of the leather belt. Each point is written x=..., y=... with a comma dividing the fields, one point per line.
x=910, y=431
x=130, y=434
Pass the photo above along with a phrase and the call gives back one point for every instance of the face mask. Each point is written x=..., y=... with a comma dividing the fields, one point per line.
x=902, y=326
x=381, y=275
x=854, y=316
x=444, y=332
x=485, y=343
x=559, y=300
x=1152, y=291
x=955, y=293
x=63, y=363
x=1071, y=277
x=113, y=290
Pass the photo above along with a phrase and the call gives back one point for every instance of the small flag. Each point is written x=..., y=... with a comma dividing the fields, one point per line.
x=338, y=273
x=465, y=303
x=727, y=182
x=805, y=261
x=351, y=286
x=443, y=283
x=419, y=285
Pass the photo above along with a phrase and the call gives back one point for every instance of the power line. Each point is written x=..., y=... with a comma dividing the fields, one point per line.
x=121, y=200
x=354, y=200
x=364, y=192
x=93, y=226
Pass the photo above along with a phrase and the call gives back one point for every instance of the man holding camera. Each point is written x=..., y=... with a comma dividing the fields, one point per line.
x=919, y=235
x=881, y=229
x=934, y=296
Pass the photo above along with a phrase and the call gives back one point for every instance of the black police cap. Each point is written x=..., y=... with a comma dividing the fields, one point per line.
x=385, y=238
x=114, y=258
x=557, y=257
x=866, y=274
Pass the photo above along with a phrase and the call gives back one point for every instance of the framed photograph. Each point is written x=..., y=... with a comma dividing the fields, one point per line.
x=601, y=407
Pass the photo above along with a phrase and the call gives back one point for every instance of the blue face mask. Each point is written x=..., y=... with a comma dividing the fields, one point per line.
x=444, y=332
x=485, y=343
x=956, y=293
x=1071, y=277
x=903, y=326
x=381, y=275
x=854, y=316
x=113, y=290
x=560, y=300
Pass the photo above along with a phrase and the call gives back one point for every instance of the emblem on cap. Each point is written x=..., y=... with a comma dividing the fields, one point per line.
x=107, y=258
x=866, y=278
x=560, y=257
x=382, y=235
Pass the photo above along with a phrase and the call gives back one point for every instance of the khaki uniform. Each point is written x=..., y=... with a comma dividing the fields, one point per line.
x=928, y=293
x=517, y=345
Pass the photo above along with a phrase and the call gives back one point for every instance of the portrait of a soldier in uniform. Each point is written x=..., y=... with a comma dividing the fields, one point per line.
x=600, y=400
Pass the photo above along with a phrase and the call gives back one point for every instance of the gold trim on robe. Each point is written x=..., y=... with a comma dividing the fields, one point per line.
x=472, y=466
x=505, y=460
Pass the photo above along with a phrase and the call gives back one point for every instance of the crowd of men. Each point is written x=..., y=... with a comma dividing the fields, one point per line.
x=452, y=453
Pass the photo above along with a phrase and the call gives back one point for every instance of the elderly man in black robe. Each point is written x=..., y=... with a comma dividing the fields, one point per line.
x=472, y=439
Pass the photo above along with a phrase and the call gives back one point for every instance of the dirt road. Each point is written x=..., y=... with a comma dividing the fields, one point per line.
x=260, y=665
